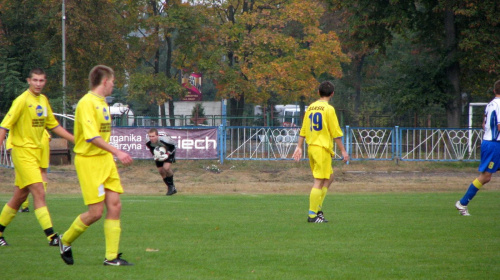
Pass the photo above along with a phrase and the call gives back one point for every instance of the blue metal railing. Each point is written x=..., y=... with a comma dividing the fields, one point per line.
x=361, y=143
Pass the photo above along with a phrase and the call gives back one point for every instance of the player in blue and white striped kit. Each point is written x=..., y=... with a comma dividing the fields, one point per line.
x=490, y=151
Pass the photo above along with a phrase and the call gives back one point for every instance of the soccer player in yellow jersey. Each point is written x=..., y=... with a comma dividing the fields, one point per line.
x=26, y=120
x=96, y=169
x=319, y=127
x=44, y=165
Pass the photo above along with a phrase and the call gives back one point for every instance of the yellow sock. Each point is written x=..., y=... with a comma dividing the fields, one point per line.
x=314, y=201
x=6, y=217
x=112, y=231
x=324, y=190
x=76, y=229
x=43, y=217
x=26, y=203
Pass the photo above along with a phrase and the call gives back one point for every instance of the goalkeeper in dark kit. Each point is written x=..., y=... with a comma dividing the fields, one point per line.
x=163, y=150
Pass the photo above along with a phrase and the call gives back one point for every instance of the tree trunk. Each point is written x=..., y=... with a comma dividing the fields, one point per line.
x=302, y=109
x=358, y=79
x=236, y=104
x=452, y=70
x=236, y=109
x=168, y=73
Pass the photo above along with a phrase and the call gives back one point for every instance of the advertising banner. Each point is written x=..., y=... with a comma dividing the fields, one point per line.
x=190, y=143
x=192, y=81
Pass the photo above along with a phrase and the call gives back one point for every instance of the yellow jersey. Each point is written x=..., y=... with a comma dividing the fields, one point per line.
x=45, y=140
x=92, y=120
x=27, y=119
x=320, y=125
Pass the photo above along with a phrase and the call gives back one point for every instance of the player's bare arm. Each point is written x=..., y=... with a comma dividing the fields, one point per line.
x=59, y=130
x=3, y=132
x=297, y=154
x=124, y=158
x=345, y=156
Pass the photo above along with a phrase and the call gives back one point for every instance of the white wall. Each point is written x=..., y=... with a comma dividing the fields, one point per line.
x=184, y=108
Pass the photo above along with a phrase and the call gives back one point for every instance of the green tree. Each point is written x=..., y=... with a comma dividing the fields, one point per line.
x=159, y=27
x=11, y=83
x=94, y=35
x=458, y=38
x=25, y=44
x=365, y=29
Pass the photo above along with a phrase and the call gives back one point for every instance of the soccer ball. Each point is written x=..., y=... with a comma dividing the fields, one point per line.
x=160, y=153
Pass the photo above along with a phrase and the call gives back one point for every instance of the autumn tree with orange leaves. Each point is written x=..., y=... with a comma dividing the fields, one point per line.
x=271, y=48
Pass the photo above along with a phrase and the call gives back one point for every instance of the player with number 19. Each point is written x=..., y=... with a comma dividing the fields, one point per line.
x=163, y=150
x=319, y=127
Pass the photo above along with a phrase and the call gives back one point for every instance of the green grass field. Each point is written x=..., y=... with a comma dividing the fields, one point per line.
x=370, y=236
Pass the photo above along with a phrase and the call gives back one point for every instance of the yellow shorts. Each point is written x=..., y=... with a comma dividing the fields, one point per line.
x=320, y=160
x=45, y=158
x=95, y=174
x=26, y=165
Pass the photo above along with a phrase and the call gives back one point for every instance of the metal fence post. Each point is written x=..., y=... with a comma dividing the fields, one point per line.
x=397, y=144
x=348, y=141
x=221, y=143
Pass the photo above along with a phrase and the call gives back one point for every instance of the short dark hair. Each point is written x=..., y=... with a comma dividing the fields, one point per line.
x=326, y=89
x=496, y=87
x=98, y=73
x=36, y=71
x=153, y=130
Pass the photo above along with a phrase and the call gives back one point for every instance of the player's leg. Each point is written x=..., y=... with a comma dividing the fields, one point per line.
x=320, y=162
x=315, y=198
x=42, y=212
x=324, y=190
x=82, y=222
x=162, y=171
x=25, y=206
x=29, y=176
x=490, y=163
x=91, y=173
x=77, y=228
x=474, y=187
x=169, y=178
x=471, y=192
x=9, y=210
x=44, y=178
x=112, y=229
x=95, y=204
x=112, y=225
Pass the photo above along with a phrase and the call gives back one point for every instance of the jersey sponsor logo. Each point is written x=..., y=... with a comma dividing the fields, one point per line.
x=105, y=127
x=38, y=122
x=105, y=113
x=39, y=110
